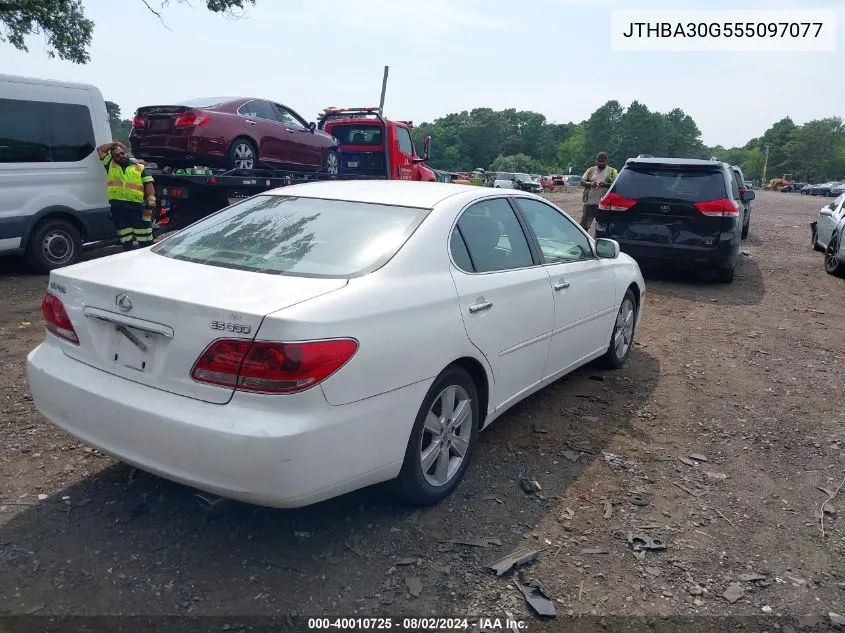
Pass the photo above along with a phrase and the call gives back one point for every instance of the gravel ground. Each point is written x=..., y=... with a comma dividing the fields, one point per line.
x=746, y=377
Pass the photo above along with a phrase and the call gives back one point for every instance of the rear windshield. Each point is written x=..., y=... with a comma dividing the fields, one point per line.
x=357, y=134
x=670, y=183
x=207, y=102
x=288, y=235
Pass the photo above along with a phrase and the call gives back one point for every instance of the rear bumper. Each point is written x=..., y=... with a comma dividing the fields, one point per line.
x=724, y=255
x=287, y=451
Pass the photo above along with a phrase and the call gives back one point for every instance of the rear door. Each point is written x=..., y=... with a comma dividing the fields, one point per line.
x=361, y=147
x=504, y=295
x=658, y=205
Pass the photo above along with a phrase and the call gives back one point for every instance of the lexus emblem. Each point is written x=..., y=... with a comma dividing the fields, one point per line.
x=665, y=208
x=123, y=302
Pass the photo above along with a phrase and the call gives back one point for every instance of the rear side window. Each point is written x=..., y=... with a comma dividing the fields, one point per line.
x=287, y=235
x=494, y=237
x=43, y=132
x=357, y=134
x=670, y=183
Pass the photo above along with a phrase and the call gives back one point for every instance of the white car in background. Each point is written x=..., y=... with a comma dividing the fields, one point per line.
x=521, y=182
x=323, y=337
x=823, y=227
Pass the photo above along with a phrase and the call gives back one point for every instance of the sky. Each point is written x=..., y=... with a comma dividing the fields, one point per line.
x=549, y=56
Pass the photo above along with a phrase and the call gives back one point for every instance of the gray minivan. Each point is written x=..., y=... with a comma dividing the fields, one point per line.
x=52, y=185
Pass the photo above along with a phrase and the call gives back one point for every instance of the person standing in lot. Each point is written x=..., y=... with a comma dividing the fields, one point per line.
x=595, y=181
x=129, y=188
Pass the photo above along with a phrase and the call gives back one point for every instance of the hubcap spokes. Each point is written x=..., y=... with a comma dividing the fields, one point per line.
x=446, y=435
x=623, y=331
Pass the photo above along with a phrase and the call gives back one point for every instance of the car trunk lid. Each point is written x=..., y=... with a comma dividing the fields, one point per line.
x=148, y=318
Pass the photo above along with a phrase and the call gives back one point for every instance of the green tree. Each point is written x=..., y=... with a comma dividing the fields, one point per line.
x=120, y=128
x=571, y=153
x=520, y=163
x=603, y=129
x=63, y=23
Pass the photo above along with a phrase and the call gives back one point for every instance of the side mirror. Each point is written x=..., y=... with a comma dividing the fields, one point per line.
x=426, y=152
x=607, y=249
x=312, y=126
x=750, y=195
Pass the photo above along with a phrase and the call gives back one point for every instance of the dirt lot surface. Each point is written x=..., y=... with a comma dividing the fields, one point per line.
x=746, y=377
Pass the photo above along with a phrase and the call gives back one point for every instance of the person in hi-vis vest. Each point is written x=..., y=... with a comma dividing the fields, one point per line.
x=131, y=196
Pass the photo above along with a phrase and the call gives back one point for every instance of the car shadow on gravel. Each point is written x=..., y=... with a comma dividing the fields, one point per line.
x=125, y=541
x=747, y=289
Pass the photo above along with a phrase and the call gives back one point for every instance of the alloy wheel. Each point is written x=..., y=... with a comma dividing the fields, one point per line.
x=244, y=156
x=623, y=330
x=446, y=435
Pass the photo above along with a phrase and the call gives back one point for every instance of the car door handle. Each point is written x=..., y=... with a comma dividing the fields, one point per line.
x=250, y=122
x=478, y=307
x=562, y=285
x=289, y=130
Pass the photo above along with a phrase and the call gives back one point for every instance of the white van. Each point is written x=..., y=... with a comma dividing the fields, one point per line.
x=52, y=186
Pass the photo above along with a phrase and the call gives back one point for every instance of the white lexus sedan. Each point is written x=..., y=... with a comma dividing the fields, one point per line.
x=324, y=337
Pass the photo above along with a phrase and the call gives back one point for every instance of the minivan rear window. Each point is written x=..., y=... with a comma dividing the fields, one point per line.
x=289, y=235
x=670, y=183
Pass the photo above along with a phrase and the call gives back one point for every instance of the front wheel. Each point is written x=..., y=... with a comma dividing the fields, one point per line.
x=622, y=337
x=832, y=265
x=442, y=441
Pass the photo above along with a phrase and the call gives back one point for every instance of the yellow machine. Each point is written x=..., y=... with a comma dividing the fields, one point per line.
x=776, y=183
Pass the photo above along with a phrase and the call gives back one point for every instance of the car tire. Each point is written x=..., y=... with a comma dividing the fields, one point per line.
x=726, y=275
x=331, y=163
x=418, y=485
x=243, y=154
x=832, y=265
x=54, y=243
x=624, y=326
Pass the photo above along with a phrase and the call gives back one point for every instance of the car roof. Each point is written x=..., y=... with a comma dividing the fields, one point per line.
x=692, y=162
x=402, y=193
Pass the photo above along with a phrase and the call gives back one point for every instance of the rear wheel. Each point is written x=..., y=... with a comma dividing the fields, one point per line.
x=54, y=243
x=832, y=265
x=442, y=441
x=243, y=154
x=622, y=337
x=331, y=163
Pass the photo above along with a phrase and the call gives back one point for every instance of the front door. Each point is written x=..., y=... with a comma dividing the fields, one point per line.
x=303, y=142
x=583, y=287
x=403, y=164
x=505, y=297
x=269, y=132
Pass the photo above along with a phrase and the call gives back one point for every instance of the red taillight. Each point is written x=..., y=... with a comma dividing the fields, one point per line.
x=718, y=208
x=615, y=202
x=266, y=367
x=138, y=121
x=191, y=119
x=58, y=322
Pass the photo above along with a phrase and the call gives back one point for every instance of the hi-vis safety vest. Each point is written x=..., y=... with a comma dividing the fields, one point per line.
x=609, y=177
x=126, y=185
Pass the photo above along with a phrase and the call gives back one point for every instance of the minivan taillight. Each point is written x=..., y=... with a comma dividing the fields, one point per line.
x=58, y=322
x=718, y=208
x=615, y=202
x=268, y=367
x=191, y=119
x=138, y=121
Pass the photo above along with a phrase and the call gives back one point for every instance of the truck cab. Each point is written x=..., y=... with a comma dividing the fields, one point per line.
x=374, y=147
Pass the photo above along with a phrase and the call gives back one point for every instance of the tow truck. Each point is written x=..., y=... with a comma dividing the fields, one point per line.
x=371, y=147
